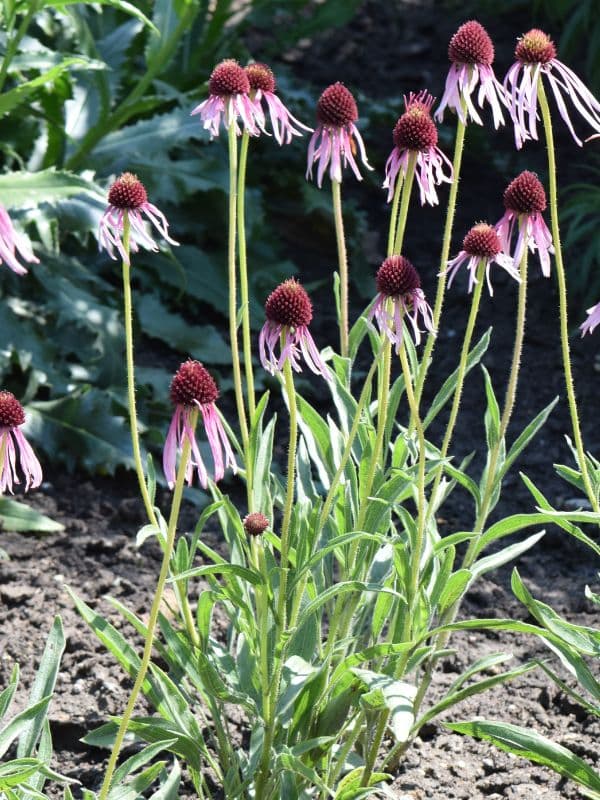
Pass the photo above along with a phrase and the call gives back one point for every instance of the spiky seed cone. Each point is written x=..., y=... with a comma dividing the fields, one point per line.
x=535, y=47
x=396, y=277
x=336, y=106
x=289, y=305
x=260, y=76
x=415, y=130
x=525, y=194
x=471, y=44
x=482, y=241
x=11, y=411
x=255, y=524
x=127, y=192
x=228, y=78
x=191, y=384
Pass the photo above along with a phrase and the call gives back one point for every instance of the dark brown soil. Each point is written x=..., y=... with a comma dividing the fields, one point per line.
x=401, y=44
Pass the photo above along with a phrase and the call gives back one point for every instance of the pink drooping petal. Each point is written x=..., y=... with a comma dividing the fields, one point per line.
x=461, y=82
x=30, y=466
x=334, y=147
x=592, y=321
x=285, y=126
x=171, y=447
x=13, y=244
x=110, y=234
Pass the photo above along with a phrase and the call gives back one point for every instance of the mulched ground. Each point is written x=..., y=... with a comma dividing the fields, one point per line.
x=400, y=45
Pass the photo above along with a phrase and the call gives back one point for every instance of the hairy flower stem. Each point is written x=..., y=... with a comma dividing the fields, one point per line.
x=281, y=620
x=243, y=261
x=232, y=276
x=460, y=378
x=133, y=422
x=336, y=191
x=450, y=615
x=404, y=203
x=324, y=515
x=562, y=297
x=446, y=242
x=415, y=562
x=394, y=215
x=164, y=571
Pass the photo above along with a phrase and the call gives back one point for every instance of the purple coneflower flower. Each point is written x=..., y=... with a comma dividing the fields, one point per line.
x=415, y=132
x=128, y=196
x=472, y=54
x=193, y=389
x=289, y=311
x=229, y=98
x=12, y=243
x=336, y=137
x=262, y=86
x=398, y=283
x=536, y=56
x=524, y=200
x=592, y=321
x=481, y=243
x=11, y=440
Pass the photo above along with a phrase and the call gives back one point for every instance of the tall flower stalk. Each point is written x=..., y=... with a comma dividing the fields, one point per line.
x=243, y=263
x=562, y=297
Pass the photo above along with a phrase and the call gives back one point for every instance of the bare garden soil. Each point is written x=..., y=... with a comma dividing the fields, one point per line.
x=96, y=554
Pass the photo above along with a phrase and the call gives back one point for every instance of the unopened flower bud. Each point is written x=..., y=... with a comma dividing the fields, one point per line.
x=255, y=524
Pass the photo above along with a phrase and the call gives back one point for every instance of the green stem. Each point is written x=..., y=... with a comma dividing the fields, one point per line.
x=243, y=260
x=336, y=190
x=281, y=622
x=460, y=378
x=415, y=561
x=447, y=240
x=133, y=422
x=14, y=41
x=404, y=203
x=394, y=216
x=562, y=297
x=145, y=662
x=232, y=278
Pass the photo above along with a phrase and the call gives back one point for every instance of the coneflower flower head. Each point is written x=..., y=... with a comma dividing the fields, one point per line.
x=255, y=524
x=288, y=312
x=415, y=132
x=194, y=389
x=535, y=55
x=12, y=416
x=13, y=243
x=524, y=201
x=336, y=138
x=399, y=285
x=127, y=195
x=229, y=98
x=262, y=87
x=592, y=321
x=481, y=244
x=471, y=54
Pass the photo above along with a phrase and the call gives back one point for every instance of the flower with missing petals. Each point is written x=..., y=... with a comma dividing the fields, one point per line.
x=592, y=321
x=399, y=296
x=12, y=440
x=127, y=196
x=336, y=139
x=262, y=87
x=194, y=390
x=255, y=524
x=524, y=200
x=471, y=54
x=481, y=244
x=536, y=58
x=13, y=243
x=289, y=311
x=229, y=99
x=415, y=133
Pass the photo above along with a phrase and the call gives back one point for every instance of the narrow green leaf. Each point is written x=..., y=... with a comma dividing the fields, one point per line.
x=15, y=516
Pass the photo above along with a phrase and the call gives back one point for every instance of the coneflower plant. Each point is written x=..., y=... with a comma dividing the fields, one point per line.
x=325, y=602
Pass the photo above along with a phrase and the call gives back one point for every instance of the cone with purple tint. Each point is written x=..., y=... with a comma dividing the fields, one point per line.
x=193, y=390
x=288, y=312
x=229, y=101
x=481, y=244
